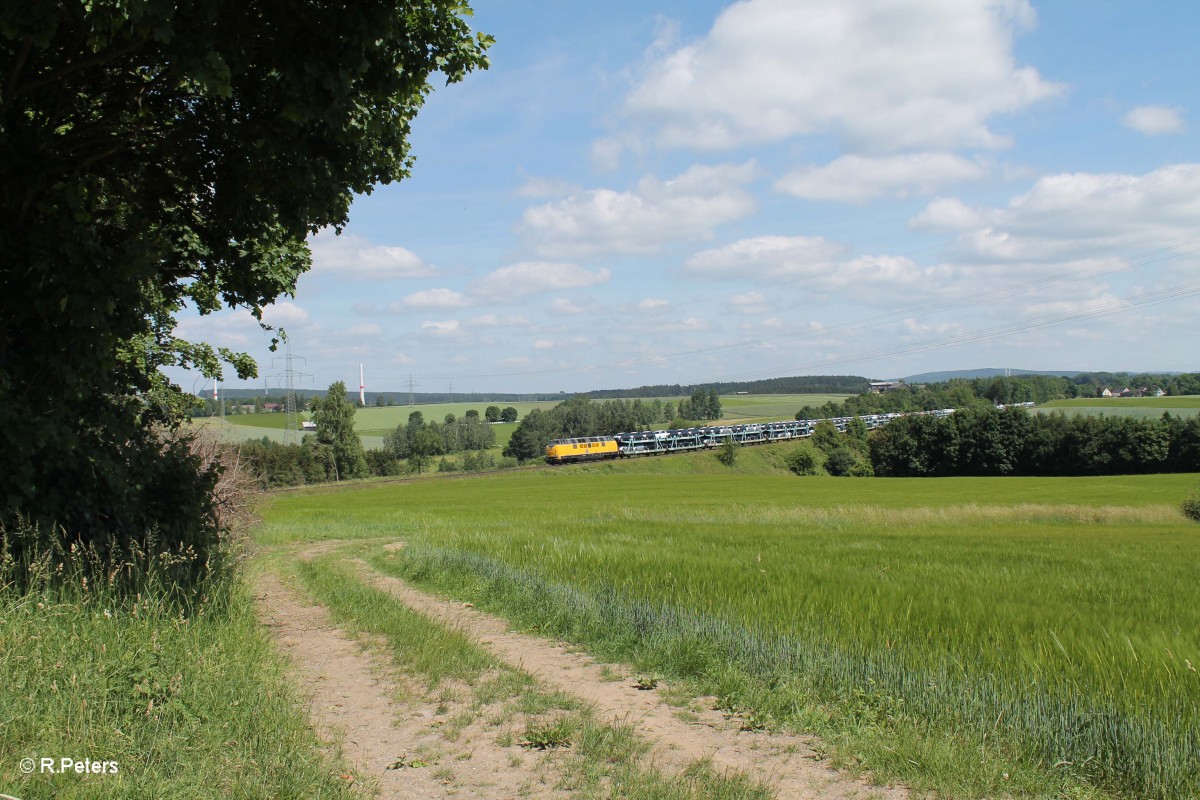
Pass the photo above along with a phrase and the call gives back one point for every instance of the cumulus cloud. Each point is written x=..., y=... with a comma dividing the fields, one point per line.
x=857, y=179
x=356, y=258
x=284, y=314
x=946, y=214
x=653, y=305
x=1154, y=120
x=531, y=277
x=906, y=75
x=444, y=329
x=767, y=257
x=1076, y=215
x=641, y=221
x=565, y=307
x=433, y=298
x=749, y=303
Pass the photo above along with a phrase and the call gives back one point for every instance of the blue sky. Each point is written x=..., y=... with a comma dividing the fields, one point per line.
x=682, y=192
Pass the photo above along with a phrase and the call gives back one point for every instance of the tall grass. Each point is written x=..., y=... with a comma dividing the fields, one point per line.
x=181, y=688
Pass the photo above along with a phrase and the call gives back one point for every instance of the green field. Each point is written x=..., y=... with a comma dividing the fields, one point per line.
x=773, y=406
x=1053, y=620
x=1139, y=407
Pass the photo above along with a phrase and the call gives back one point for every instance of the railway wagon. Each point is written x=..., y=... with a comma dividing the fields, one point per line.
x=587, y=448
x=681, y=440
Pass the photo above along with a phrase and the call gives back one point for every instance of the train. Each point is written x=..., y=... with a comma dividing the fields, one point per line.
x=682, y=440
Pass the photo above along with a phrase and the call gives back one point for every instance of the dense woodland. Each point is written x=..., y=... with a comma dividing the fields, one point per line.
x=984, y=440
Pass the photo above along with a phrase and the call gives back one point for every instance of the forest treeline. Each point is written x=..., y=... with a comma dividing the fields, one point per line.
x=581, y=416
x=985, y=440
x=960, y=393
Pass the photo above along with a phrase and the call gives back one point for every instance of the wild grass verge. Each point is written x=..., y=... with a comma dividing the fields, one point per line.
x=183, y=699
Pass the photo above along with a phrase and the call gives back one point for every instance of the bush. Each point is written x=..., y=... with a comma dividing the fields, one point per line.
x=727, y=453
x=862, y=469
x=1191, y=506
x=841, y=461
x=802, y=461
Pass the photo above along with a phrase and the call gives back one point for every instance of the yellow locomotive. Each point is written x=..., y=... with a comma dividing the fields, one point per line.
x=588, y=448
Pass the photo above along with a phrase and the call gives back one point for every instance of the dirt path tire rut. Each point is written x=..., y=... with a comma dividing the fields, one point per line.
x=353, y=701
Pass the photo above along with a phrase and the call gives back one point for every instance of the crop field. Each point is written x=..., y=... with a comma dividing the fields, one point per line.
x=1139, y=407
x=1015, y=621
x=773, y=406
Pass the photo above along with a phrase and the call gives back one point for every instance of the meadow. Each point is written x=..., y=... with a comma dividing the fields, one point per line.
x=770, y=407
x=971, y=636
x=1140, y=407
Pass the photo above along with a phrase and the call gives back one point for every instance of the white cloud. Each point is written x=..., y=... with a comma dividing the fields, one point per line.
x=1154, y=120
x=494, y=321
x=905, y=75
x=946, y=214
x=531, y=277
x=285, y=314
x=1075, y=216
x=433, y=298
x=444, y=329
x=562, y=306
x=543, y=344
x=657, y=212
x=767, y=257
x=652, y=305
x=402, y=359
x=857, y=179
x=648, y=325
x=353, y=257
x=749, y=303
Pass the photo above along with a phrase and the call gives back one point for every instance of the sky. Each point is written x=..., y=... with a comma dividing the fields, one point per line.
x=682, y=191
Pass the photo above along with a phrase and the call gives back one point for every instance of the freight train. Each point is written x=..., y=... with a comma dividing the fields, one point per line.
x=681, y=440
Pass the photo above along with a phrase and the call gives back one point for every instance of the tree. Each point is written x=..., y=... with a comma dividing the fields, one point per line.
x=162, y=154
x=802, y=461
x=334, y=416
x=840, y=461
x=472, y=415
x=727, y=453
x=825, y=436
x=424, y=446
x=509, y=414
x=492, y=413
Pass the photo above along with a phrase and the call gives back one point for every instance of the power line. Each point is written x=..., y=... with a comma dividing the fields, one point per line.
x=290, y=376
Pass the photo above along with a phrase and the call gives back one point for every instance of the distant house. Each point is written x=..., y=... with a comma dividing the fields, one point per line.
x=308, y=426
x=1106, y=392
x=879, y=387
x=272, y=407
x=1159, y=392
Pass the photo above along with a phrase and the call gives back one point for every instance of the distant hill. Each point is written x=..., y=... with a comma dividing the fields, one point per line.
x=802, y=384
x=970, y=374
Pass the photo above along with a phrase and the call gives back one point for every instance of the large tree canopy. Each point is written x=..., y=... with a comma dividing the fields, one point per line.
x=157, y=153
